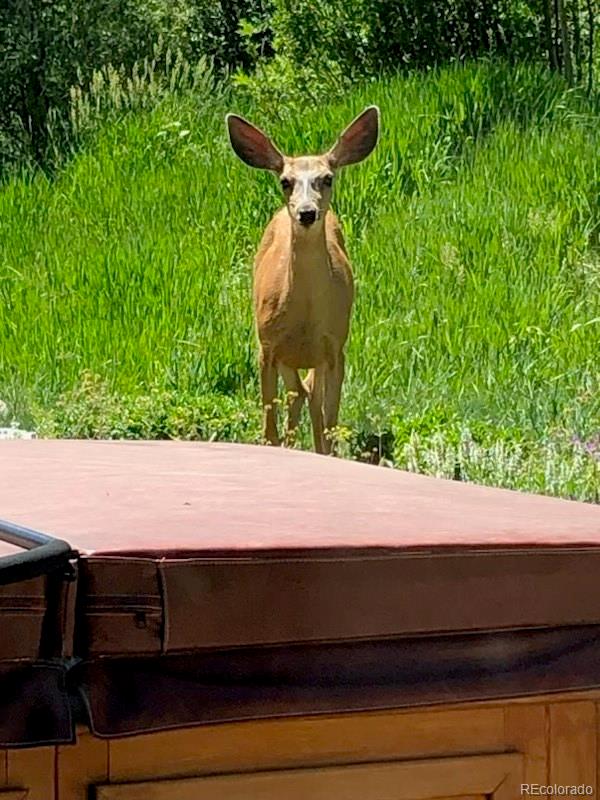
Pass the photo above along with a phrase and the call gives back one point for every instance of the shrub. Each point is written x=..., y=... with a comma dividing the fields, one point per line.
x=322, y=46
x=91, y=410
x=49, y=46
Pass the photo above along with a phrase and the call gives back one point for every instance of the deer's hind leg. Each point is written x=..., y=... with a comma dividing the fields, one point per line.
x=296, y=395
x=268, y=389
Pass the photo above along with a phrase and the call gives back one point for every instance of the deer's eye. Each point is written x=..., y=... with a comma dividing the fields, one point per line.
x=328, y=180
x=286, y=184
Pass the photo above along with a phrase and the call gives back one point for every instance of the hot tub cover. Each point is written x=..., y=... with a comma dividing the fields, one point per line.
x=252, y=581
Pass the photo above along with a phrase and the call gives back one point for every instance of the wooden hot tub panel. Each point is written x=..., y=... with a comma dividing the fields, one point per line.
x=485, y=752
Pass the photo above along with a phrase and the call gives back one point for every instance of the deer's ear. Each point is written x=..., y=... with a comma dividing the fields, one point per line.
x=357, y=141
x=252, y=145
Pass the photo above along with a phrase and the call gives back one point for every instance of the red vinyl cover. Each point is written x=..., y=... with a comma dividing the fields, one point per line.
x=162, y=498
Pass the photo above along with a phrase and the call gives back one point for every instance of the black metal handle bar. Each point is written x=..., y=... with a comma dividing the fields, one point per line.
x=43, y=554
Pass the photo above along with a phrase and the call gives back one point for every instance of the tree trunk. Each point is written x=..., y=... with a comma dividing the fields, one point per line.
x=577, y=52
x=550, y=45
x=557, y=39
x=565, y=41
x=590, y=10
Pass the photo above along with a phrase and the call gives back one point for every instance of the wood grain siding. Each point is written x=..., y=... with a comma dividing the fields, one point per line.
x=468, y=752
x=292, y=743
x=33, y=770
x=572, y=743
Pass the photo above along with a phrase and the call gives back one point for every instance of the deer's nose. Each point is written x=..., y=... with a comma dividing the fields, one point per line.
x=307, y=217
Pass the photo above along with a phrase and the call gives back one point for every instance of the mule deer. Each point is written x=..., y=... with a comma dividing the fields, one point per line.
x=303, y=286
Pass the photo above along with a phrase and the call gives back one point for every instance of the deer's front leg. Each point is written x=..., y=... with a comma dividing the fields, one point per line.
x=331, y=403
x=268, y=388
x=315, y=388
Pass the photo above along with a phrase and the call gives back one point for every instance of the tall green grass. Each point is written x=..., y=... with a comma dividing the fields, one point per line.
x=473, y=229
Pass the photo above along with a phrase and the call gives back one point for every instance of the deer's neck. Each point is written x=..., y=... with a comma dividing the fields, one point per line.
x=308, y=251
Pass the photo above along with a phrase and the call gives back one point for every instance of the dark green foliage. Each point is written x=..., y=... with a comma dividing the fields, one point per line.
x=47, y=46
x=233, y=33
x=370, y=36
x=282, y=49
x=322, y=46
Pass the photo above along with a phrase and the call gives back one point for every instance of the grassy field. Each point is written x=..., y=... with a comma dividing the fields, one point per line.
x=475, y=347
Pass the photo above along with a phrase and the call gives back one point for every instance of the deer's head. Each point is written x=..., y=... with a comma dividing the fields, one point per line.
x=306, y=181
